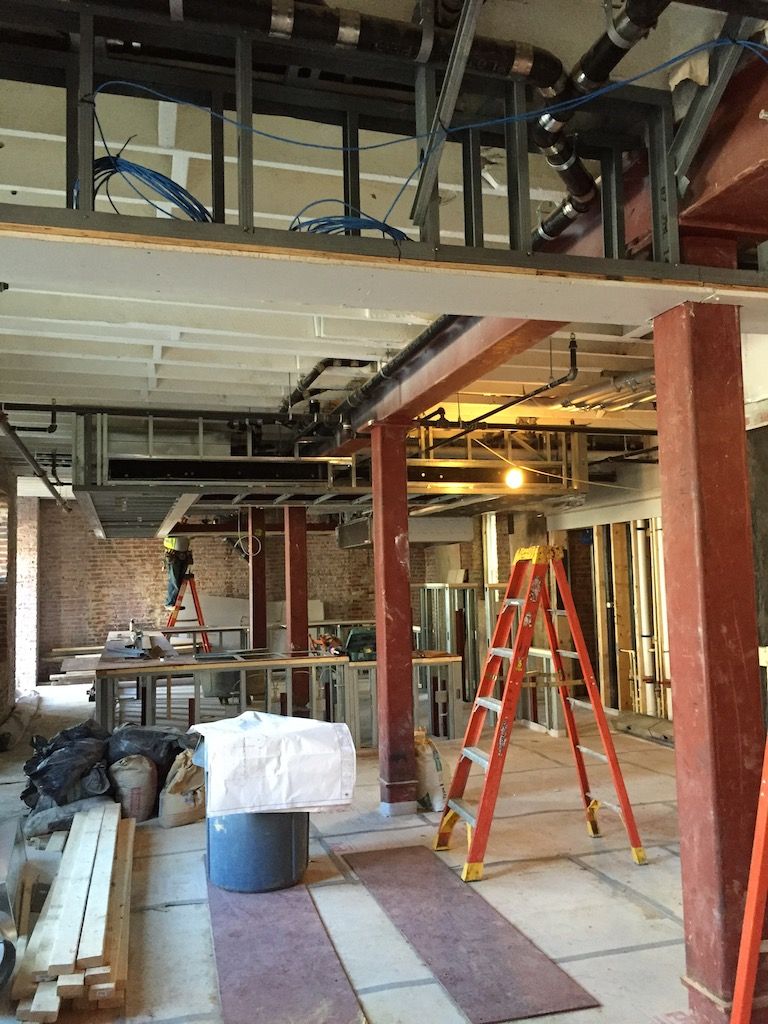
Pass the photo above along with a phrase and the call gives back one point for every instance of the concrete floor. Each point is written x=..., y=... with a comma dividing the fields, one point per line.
x=615, y=927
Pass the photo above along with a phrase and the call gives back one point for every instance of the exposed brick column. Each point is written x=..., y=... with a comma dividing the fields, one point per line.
x=719, y=733
x=296, y=598
x=27, y=540
x=397, y=759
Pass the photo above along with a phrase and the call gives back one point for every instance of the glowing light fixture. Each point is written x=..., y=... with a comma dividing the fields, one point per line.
x=515, y=478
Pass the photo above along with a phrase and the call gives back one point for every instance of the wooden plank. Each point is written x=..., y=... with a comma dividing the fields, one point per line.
x=92, y=949
x=96, y=992
x=71, y=985
x=28, y=878
x=113, y=1003
x=24, y=981
x=78, y=858
x=57, y=842
x=601, y=614
x=23, y=1010
x=46, y=1003
x=120, y=950
x=622, y=612
x=98, y=975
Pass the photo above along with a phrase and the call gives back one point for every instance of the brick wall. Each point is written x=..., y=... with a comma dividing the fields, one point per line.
x=88, y=586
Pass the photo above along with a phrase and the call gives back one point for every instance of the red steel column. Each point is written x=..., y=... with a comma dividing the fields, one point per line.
x=719, y=734
x=397, y=759
x=296, y=596
x=257, y=577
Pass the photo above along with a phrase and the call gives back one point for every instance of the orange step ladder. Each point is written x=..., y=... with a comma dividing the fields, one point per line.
x=531, y=564
x=189, y=581
x=752, y=942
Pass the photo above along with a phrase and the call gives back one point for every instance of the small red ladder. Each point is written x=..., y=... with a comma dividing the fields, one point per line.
x=189, y=581
x=478, y=820
x=752, y=942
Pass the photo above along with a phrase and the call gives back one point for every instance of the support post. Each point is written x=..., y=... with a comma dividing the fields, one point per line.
x=351, y=166
x=244, y=98
x=296, y=599
x=257, y=578
x=397, y=759
x=217, y=159
x=518, y=181
x=719, y=733
x=85, y=114
x=473, y=189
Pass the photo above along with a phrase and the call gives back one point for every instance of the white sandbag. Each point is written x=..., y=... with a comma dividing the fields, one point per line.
x=182, y=799
x=258, y=762
x=135, y=781
x=19, y=718
x=58, y=819
x=430, y=791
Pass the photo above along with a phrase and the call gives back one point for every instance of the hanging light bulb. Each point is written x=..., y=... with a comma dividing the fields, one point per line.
x=514, y=478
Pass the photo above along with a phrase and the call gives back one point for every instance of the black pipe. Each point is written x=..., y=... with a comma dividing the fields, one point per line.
x=471, y=425
x=327, y=26
x=630, y=25
x=301, y=392
x=131, y=412
x=50, y=429
x=7, y=430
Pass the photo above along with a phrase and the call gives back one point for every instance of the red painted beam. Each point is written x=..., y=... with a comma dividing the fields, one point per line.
x=716, y=687
x=391, y=558
x=450, y=368
x=257, y=578
x=296, y=598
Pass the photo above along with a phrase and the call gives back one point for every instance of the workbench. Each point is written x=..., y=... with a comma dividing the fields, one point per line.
x=146, y=671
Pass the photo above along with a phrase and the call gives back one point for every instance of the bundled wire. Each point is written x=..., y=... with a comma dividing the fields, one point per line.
x=105, y=168
x=341, y=224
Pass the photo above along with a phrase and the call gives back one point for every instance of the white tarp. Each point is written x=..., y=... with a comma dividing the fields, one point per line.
x=258, y=762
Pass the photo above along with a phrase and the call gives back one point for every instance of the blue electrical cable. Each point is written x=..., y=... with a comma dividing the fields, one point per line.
x=338, y=224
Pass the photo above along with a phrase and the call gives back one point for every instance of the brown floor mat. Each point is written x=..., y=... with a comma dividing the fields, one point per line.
x=486, y=965
x=275, y=961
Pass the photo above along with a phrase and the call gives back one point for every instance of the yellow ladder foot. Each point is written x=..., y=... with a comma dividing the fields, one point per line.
x=638, y=855
x=472, y=872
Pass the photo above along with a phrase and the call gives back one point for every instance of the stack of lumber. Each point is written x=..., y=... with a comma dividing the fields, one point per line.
x=78, y=948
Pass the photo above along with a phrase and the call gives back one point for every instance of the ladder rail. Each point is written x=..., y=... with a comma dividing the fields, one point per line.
x=603, y=729
x=189, y=581
x=754, y=911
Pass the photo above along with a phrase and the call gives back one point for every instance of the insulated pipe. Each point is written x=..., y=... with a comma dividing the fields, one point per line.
x=7, y=431
x=614, y=387
x=646, y=638
x=630, y=25
x=299, y=393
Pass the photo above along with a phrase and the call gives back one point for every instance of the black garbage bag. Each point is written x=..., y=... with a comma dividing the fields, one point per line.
x=159, y=744
x=57, y=773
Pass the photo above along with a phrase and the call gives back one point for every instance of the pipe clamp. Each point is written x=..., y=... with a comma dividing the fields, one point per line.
x=349, y=28
x=523, y=62
x=281, y=21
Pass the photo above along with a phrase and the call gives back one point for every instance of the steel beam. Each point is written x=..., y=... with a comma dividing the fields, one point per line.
x=722, y=64
x=473, y=189
x=612, y=197
x=664, y=208
x=351, y=165
x=296, y=598
x=719, y=734
x=446, y=104
x=518, y=177
x=218, y=198
x=397, y=761
x=257, y=578
x=85, y=113
x=425, y=98
x=244, y=89
x=472, y=349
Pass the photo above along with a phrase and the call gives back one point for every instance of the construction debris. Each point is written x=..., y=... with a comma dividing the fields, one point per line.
x=78, y=948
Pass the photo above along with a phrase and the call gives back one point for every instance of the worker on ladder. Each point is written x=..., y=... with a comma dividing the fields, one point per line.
x=177, y=560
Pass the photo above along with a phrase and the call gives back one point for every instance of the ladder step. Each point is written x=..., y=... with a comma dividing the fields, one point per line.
x=477, y=755
x=539, y=652
x=518, y=602
x=502, y=652
x=568, y=654
x=558, y=612
x=463, y=811
x=491, y=703
x=594, y=753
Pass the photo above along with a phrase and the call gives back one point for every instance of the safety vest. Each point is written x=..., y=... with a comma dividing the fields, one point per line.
x=176, y=544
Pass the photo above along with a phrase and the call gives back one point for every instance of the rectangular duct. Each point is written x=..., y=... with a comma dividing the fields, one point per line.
x=429, y=530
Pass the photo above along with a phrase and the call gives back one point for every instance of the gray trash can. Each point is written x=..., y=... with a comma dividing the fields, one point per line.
x=256, y=852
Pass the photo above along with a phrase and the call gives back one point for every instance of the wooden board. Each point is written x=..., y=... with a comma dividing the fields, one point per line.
x=601, y=615
x=70, y=986
x=46, y=1003
x=622, y=612
x=72, y=884
x=92, y=949
x=121, y=933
